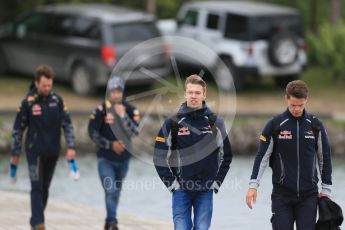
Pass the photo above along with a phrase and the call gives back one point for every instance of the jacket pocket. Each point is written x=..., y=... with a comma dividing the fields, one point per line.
x=282, y=169
x=32, y=141
x=313, y=176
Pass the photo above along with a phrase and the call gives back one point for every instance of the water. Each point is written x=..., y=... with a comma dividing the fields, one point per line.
x=144, y=195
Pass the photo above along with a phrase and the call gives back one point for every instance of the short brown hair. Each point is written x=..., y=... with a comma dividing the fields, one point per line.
x=297, y=89
x=195, y=79
x=44, y=71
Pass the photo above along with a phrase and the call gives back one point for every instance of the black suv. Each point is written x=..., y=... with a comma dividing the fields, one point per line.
x=82, y=43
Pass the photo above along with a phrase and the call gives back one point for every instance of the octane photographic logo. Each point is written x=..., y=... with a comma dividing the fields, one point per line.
x=167, y=94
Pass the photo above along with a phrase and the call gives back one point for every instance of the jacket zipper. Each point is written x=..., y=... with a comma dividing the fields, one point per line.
x=298, y=164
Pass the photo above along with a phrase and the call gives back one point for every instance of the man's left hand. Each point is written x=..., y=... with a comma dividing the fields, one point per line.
x=70, y=154
x=323, y=195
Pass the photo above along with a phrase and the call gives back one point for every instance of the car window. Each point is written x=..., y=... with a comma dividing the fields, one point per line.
x=266, y=26
x=86, y=28
x=134, y=32
x=32, y=24
x=212, y=21
x=59, y=25
x=191, y=18
x=236, y=27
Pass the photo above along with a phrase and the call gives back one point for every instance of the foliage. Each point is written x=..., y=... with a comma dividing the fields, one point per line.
x=327, y=48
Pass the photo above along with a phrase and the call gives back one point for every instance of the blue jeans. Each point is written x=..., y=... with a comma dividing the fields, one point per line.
x=112, y=174
x=287, y=210
x=182, y=204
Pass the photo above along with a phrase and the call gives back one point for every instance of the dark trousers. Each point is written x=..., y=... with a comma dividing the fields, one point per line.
x=41, y=170
x=287, y=210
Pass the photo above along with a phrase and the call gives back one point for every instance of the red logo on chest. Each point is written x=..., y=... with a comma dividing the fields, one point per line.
x=183, y=131
x=36, y=110
x=109, y=118
x=285, y=135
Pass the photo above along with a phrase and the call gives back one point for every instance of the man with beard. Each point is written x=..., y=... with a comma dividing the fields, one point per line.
x=112, y=126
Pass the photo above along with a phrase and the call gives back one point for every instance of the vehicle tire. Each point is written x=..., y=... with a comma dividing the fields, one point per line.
x=283, y=49
x=282, y=81
x=82, y=82
x=223, y=79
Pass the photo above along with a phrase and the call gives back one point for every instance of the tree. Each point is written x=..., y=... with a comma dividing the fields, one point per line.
x=335, y=9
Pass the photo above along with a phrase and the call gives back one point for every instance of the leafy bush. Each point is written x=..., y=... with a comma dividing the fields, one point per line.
x=327, y=48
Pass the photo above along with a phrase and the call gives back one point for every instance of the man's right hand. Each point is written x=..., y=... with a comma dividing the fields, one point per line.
x=251, y=197
x=13, y=168
x=118, y=147
x=15, y=160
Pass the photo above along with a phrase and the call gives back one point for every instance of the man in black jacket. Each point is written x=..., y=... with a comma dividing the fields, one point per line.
x=112, y=126
x=293, y=143
x=192, y=157
x=44, y=114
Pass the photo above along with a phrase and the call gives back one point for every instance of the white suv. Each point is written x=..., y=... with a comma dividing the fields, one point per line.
x=252, y=39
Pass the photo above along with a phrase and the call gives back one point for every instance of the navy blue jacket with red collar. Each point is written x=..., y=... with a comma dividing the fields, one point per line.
x=295, y=152
x=202, y=155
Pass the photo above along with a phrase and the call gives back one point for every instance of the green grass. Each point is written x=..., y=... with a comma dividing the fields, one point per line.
x=321, y=80
x=13, y=84
x=336, y=123
x=10, y=84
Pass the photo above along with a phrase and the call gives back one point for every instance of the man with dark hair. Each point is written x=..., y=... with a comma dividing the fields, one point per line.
x=112, y=126
x=192, y=157
x=292, y=143
x=44, y=114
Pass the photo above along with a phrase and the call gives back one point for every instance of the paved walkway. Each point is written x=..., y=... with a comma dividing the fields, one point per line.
x=15, y=213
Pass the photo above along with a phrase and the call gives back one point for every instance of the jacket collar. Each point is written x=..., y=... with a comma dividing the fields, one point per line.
x=289, y=115
x=185, y=110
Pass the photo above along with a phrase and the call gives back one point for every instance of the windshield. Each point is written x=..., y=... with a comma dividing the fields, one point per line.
x=260, y=27
x=134, y=32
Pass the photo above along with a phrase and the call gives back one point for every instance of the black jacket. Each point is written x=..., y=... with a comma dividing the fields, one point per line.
x=202, y=157
x=44, y=116
x=330, y=215
x=105, y=126
x=296, y=152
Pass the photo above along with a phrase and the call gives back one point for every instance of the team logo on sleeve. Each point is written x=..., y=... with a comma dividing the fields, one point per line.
x=136, y=114
x=286, y=135
x=36, y=110
x=263, y=138
x=160, y=139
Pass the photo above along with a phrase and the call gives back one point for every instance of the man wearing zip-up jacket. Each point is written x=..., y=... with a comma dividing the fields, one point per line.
x=192, y=157
x=43, y=113
x=112, y=126
x=293, y=144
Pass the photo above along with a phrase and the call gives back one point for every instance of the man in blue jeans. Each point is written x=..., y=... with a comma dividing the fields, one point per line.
x=192, y=157
x=293, y=143
x=111, y=127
